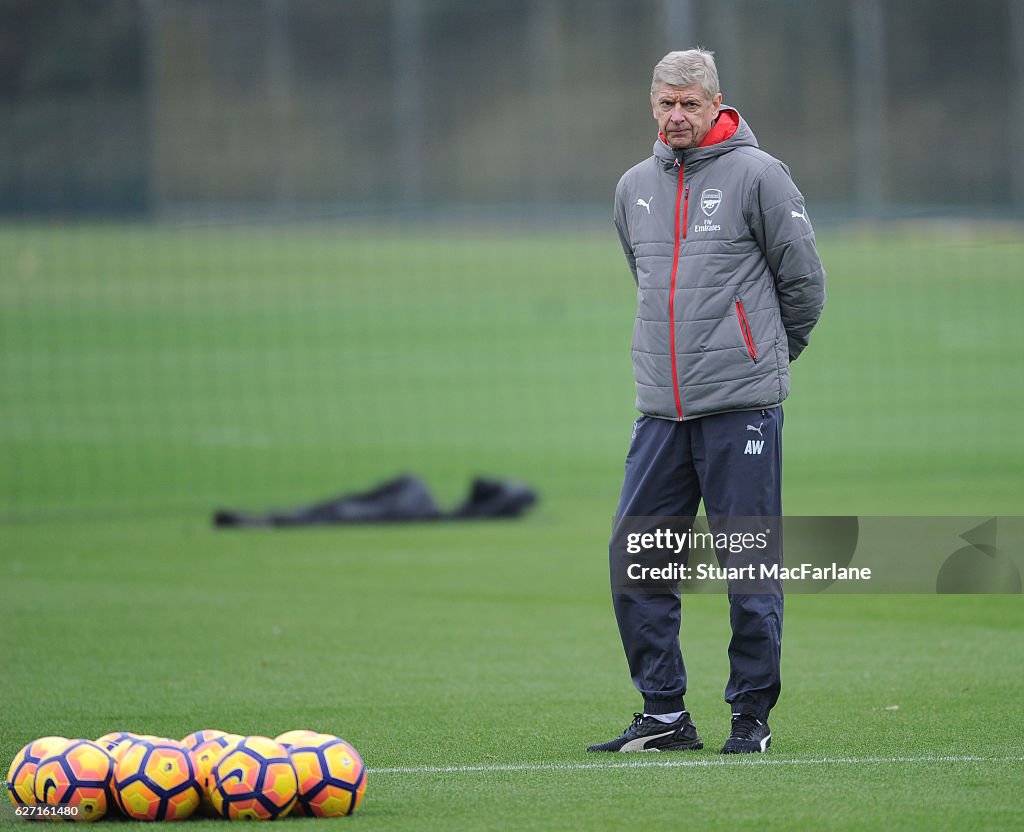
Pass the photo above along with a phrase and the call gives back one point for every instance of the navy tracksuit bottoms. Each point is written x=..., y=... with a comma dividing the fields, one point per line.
x=671, y=466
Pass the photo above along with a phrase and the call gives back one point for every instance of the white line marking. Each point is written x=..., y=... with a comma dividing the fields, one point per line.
x=744, y=760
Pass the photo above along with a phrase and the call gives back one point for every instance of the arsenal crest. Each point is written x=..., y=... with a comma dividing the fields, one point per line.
x=710, y=199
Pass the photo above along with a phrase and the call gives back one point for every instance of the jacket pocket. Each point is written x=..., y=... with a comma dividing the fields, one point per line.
x=748, y=338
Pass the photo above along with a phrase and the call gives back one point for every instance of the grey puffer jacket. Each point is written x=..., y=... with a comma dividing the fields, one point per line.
x=729, y=283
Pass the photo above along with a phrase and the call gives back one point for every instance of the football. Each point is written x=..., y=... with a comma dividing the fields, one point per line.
x=116, y=742
x=289, y=738
x=156, y=781
x=205, y=756
x=254, y=780
x=115, y=737
x=77, y=778
x=21, y=777
x=331, y=774
x=197, y=738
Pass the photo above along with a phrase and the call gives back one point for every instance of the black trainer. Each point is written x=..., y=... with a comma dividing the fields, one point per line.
x=749, y=735
x=645, y=733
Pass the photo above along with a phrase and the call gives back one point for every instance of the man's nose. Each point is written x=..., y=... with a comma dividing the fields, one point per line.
x=677, y=115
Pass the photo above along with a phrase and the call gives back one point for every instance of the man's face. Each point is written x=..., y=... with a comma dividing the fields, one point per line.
x=684, y=114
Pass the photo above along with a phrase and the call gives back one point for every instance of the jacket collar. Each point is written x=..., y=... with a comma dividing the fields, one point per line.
x=727, y=133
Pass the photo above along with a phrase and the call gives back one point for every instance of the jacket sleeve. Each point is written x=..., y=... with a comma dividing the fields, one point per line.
x=621, y=227
x=783, y=230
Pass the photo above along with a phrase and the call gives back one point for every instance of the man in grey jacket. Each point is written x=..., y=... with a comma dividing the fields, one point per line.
x=729, y=286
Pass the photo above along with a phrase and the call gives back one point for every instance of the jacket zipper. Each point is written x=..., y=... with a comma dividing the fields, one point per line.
x=672, y=288
x=748, y=338
x=686, y=204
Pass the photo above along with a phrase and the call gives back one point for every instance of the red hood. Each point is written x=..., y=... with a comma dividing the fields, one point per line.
x=725, y=127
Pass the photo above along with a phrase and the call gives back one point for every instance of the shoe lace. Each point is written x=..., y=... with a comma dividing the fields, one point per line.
x=744, y=726
x=637, y=719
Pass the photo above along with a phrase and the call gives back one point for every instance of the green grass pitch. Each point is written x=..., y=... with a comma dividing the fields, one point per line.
x=149, y=375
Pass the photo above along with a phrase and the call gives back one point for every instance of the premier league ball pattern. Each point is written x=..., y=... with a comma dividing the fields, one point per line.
x=145, y=777
x=255, y=780
x=157, y=781
x=206, y=755
x=76, y=778
x=21, y=777
x=332, y=777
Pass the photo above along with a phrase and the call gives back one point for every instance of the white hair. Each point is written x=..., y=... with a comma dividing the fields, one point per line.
x=681, y=69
